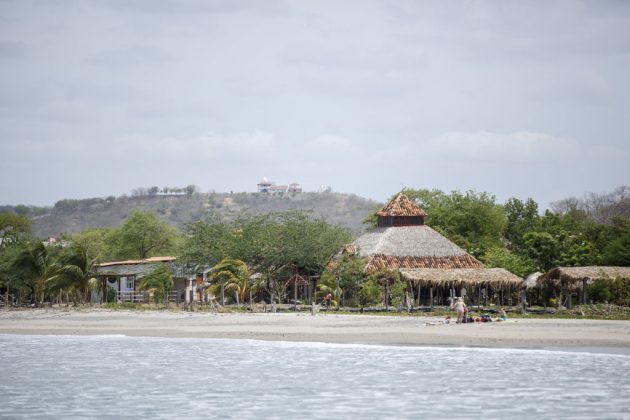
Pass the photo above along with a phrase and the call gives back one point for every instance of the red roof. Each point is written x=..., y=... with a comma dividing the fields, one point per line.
x=380, y=261
x=401, y=206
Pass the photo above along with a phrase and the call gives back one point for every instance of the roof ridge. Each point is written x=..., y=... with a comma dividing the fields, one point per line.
x=401, y=205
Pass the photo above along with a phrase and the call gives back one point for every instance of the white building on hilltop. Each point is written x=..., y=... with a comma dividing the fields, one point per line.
x=266, y=186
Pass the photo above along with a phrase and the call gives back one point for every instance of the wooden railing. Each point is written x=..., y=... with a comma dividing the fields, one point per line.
x=144, y=297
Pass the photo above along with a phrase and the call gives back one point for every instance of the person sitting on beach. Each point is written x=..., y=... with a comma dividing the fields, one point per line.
x=502, y=315
x=447, y=320
x=486, y=318
x=460, y=308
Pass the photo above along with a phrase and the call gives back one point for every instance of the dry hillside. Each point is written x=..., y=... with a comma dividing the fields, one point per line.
x=69, y=216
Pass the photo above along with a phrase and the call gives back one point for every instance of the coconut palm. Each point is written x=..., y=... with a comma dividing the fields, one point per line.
x=77, y=269
x=159, y=282
x=230, y=275
x=36, y=264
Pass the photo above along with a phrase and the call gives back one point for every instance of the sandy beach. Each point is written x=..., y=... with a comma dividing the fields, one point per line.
x=331, y=328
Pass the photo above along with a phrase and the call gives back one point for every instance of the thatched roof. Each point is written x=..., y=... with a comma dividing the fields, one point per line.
x=379, y=261
x=406, y=241
x=462, y=276
x=411, y=247
x=575, y=274
x=531, y=280
x=401, y=206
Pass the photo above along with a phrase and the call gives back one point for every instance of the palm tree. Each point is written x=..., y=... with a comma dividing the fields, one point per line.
x=159, y=282
x=37, y=264
x=231, y=275
x=77, y=270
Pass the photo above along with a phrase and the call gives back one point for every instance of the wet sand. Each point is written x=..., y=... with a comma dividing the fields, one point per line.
x=331, y=328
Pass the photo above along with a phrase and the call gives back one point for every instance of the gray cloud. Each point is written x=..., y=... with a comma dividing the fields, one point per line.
x=366, y=96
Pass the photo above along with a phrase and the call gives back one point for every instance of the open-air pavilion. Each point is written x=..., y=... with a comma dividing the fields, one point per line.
x=435, y=268
x=477, y=284
x=570, y=280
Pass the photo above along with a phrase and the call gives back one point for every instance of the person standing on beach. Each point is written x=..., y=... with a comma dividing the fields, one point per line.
x=328, y=300
x=460, y=308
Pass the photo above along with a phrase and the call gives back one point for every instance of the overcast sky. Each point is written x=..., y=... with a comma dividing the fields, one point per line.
x=523, y=98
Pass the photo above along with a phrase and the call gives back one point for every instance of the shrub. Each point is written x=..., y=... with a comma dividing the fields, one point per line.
x=397, y=293
x=370, y=293
x=611, y=291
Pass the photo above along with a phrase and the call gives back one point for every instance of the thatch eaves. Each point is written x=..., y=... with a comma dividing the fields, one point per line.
x=462, y=276
x=401, y=206
x=379, y=262
x=572, y=275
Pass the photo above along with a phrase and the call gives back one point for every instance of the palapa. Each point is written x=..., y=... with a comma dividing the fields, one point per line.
x=571, y=276
x=461, y=276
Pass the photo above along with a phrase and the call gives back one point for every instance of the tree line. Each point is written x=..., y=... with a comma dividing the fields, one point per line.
x=514, y=235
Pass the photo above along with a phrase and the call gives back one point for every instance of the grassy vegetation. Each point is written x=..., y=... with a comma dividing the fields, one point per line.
x=598, y=311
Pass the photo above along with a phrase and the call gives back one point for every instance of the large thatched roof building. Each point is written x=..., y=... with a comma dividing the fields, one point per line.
x=403, y=242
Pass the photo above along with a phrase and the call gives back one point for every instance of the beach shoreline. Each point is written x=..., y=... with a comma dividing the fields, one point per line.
x=535, y=333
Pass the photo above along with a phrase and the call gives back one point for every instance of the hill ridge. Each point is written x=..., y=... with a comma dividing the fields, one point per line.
x=71, y=216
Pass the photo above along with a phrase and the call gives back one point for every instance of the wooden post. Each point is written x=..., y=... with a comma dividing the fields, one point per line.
x=583, y=291
x=478, y=296
x=419, y=290
x=295, y=295
x=431, y=298
x=387, y=294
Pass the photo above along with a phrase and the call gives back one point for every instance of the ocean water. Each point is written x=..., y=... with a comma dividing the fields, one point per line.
x=159, y=378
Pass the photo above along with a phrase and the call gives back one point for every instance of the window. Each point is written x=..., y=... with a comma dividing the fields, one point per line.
x=130, y=280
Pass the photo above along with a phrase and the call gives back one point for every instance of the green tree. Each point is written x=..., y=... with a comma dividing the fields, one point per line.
x=279, y=244
x=370, y=293
x=522, y=217
x=350, y=271
x=231, y=275
x=13, y=228
x=543, y=248
x=159, y=282
x=77, y=269
x=142, y=235
x=504, y=258
x=99, y=243
x=10, y=278
x=617, y=251
x=206, y=242
x=35, y=265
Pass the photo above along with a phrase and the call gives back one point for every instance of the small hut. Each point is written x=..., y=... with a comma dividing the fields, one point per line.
x=296, y=281
x=530, y=290
x=569, y=280
x=425, y=258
